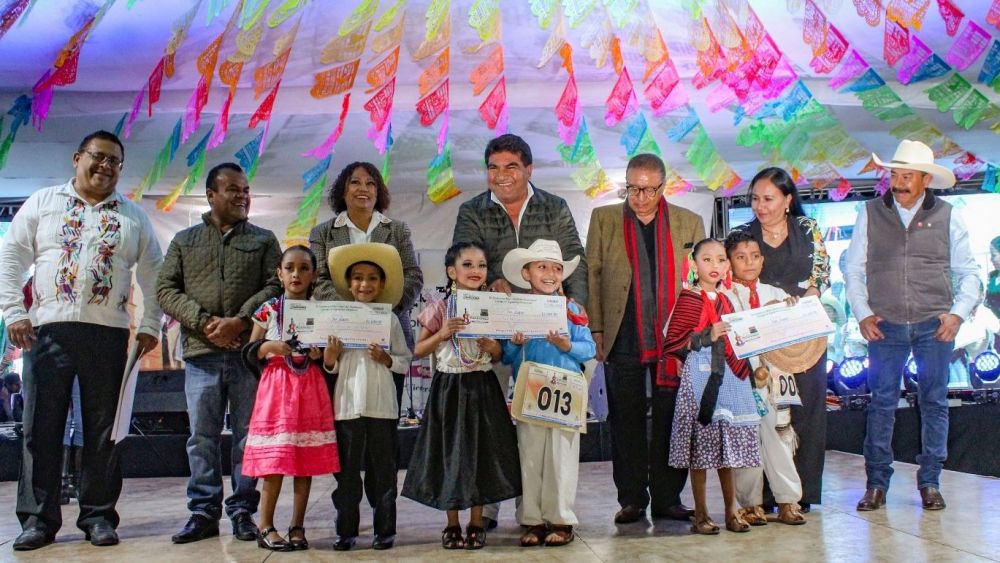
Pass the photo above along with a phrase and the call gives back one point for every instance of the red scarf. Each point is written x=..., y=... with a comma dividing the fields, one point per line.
x=752, y=286
x=664, y=284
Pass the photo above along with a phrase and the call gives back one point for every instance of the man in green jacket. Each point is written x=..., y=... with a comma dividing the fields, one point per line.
x=214, y=277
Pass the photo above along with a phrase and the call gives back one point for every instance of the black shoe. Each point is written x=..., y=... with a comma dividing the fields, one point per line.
x=629, y=514
x=33, y=538
x=102, y=534
x=198, y=527
x=344, y=544
x=805, y=507
x=279, y=544
x=298, y=544
x=489, y=523
x=677, y=512
x=243, y=527
x=383, y=542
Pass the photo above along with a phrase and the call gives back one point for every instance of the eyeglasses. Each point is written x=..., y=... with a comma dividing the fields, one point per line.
x=101, y=158
x=636, y=191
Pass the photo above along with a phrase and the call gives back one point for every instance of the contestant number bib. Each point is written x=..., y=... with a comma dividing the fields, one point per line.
x=784, y=388
x=550, y=396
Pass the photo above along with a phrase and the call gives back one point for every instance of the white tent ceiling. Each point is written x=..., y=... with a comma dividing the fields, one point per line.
x=120, y=53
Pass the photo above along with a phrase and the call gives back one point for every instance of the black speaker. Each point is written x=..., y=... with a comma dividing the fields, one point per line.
x=160, y=406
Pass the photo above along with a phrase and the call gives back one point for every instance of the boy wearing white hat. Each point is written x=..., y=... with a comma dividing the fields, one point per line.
x=550, y=456
x=906, y=249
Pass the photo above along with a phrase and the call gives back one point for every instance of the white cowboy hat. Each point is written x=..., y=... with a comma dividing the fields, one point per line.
x=540, y=251
x=914, y=155
x=341, y=258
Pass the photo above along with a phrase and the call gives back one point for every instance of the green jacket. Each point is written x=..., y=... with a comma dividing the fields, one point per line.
x=546, y=216
x=207, y=273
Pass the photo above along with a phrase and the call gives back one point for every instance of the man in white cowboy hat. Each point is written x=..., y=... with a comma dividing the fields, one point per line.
x=912, y=281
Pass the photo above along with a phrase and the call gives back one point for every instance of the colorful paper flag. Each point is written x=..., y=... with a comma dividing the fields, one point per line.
x=337, y=80
x=326, y=147
x=969, y=45
x=431, y=105
x=951, y=14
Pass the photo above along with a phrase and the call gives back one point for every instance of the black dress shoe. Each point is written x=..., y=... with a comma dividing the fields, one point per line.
x=102, y=534
x=198, y=527
x=873, y=500
x=931, y=498
x=489, y=523
x=384, y=542
x=33, y=538
x=676, y=512
x=629, y=514
x=244, y=528
x=344, y=544
x=805, y=507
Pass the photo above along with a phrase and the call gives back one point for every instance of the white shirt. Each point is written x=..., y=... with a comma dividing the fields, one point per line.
x=357, y=235
x=963, y=264
x=520, y=215
x=83, y=256
x=366, y=387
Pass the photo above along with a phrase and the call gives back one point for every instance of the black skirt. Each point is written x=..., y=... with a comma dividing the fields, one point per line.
x=466, y=451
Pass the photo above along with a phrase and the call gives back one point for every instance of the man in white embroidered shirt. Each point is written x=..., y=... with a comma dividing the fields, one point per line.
x=83, y=239
x=911, y=282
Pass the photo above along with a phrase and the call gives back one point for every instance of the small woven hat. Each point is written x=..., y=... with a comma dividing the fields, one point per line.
x=384, y=255
x=798, y=357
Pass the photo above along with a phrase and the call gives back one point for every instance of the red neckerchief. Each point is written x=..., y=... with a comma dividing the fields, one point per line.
x=709, y=316
x=577, y=319
x=752, y=286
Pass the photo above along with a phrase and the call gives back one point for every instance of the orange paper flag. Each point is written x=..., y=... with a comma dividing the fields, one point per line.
x=616, y=55
x=208, y=57
x=268, y=75
x=487, y=71
x=337, y=80
x=379, y=74
x=435, y=72
x=229, y=74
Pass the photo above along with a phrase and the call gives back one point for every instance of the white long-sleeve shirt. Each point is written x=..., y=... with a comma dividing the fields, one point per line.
x=963, y=265
x=83, y=256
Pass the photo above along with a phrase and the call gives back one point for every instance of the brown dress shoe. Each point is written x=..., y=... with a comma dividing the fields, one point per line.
x=874, y=499
x=629, y=514
x=931, y=498
x=676, y=512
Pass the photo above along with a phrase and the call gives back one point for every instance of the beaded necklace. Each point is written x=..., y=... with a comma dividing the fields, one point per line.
x=464, y=359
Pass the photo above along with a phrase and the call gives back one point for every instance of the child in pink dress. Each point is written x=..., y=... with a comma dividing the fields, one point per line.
x=291, y=429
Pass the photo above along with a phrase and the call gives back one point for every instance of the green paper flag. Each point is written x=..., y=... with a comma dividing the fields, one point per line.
x=946, y=94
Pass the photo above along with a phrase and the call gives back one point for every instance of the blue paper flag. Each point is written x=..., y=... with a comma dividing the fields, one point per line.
x=870, y=80
x=21, y=111
x=795, y=100
x=313, y=175
x=684, y=126
x=175, y=139
x=933, y=67
x=249, y=153
x=991, y=66
x=632, y=136
x=192, y=156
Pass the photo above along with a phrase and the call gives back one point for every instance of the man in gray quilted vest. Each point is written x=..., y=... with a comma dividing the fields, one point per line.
x=214, y=277
x=911, y=281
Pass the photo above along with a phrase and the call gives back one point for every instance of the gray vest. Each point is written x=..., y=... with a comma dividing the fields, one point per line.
x=909, y=269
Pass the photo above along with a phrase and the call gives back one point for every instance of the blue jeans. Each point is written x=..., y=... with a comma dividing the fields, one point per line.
x=211, y=381
x=886, y=360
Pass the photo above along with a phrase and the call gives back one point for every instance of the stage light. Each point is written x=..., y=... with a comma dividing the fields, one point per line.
x=987, y=367
x=829, y=366
x=853, y=372
x=911, y=368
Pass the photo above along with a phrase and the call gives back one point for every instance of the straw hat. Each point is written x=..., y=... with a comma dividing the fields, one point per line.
x=914, y=155
x=384, y=255
x=540, y=251
x=798, y=357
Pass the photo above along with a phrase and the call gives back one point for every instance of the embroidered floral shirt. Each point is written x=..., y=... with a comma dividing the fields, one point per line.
x=83, y=256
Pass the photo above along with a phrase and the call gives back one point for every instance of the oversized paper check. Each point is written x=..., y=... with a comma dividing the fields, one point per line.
x=775, y=326
x=355, y=324
x=498, y=315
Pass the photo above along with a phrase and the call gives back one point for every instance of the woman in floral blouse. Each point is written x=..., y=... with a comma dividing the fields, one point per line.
x=795, y=260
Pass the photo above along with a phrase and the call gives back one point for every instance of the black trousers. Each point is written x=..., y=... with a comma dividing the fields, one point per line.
x=369, y=444
x=639, y=465
x=809, y=422
x=62, y=352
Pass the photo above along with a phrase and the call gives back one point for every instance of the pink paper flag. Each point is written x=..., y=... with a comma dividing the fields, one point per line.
x=41, y=102
x=136, y=106
x=430, y=106
x=380, y=137
x=968, y=165
x=993, y=16
x=841, y=191
x=968, y=47
x=155, y=81
x=897, y=41
x=494, y=104
x=661, y=86
x=221, y=123
x=836, y=48
x=912, y=61
x=720, y=98
x=263, y=112
x=852, y=68
x=192, y=114
x=380, y=105
x=622, y=101
x=951, y=14
x=326, y=147
x=442, y=137
x=568, y=102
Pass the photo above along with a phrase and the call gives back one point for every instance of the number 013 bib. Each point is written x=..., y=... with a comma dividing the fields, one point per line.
x=550, y=396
